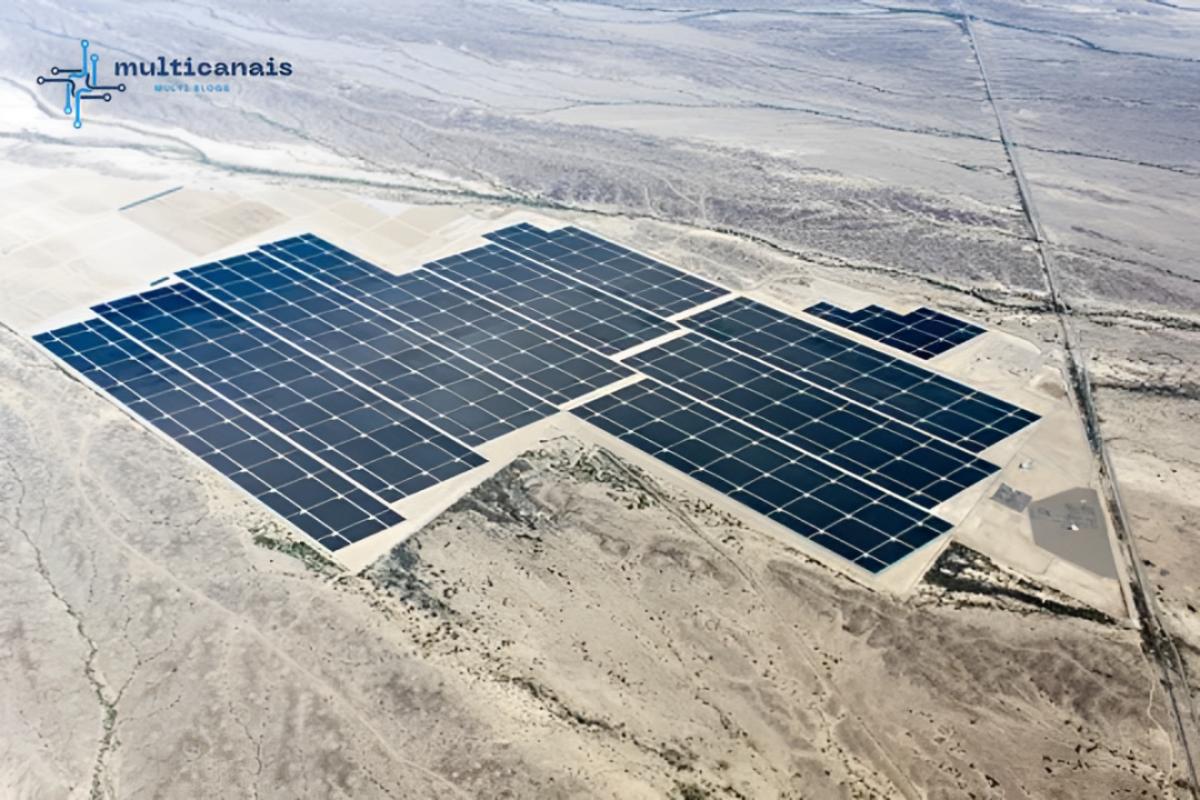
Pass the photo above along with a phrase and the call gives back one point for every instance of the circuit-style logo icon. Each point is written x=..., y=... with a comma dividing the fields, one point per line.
x=88, y=89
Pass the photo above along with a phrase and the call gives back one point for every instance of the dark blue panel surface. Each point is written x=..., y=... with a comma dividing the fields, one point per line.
x=319, y=409
x=575, y=310
x=300, y=371
x=924, y=333
x=535, y=358
x=316, y=499
x=432, y=381
x=641, y=280
x=841, y=513
x=933, y=403
x=881, y=450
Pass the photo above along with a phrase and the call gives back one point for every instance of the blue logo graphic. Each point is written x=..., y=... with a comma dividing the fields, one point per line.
x=90, y=89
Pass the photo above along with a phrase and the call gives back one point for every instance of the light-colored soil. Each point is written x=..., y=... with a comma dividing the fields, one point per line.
x=151, y=648
x=566, y=630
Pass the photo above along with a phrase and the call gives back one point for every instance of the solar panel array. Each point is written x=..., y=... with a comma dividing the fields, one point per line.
x=315, y=498
x=573, y=309
x=328, y=387
x=883, y=451
x=638, y=279
x=530, y=355
x=926, y=400
x=923, y=333
x=439, y=385
x=366, y=437
x=831, y=508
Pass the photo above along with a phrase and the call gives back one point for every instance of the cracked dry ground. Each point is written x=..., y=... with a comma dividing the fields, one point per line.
x=571, y=629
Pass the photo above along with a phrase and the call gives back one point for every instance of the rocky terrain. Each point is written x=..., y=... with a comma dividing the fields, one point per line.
x=572, y=628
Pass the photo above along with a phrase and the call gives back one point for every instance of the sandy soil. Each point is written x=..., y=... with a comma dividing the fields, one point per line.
x=569, y=629
x=163, y=639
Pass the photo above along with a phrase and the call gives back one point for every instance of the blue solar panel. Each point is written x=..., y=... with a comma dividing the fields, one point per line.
x=641, y=280
x=533, y=357
x=562, y=304
x=316, y=499
x=325, y=386
x=361, y=434
x=878, y=449
x=839, y=512
x=433, y=382
x=933, y=403
x=924, y=333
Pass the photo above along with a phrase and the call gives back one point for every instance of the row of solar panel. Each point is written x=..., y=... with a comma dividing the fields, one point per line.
x=923, y=333
x=525, y=352
x=937, y=405
x=663, y=290
x=932, y=474
x=353, y=349
x=941, y=407
x=332, y=375
x=640, y=280
x=833, y=509
x=324, y=404
x=883, y=451
x=365, y=436
x=822, y=398
x=308, y=493
x=940, y=471
x=436, y=382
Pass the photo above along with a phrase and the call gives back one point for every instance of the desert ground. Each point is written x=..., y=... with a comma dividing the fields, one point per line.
x=577, y=625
